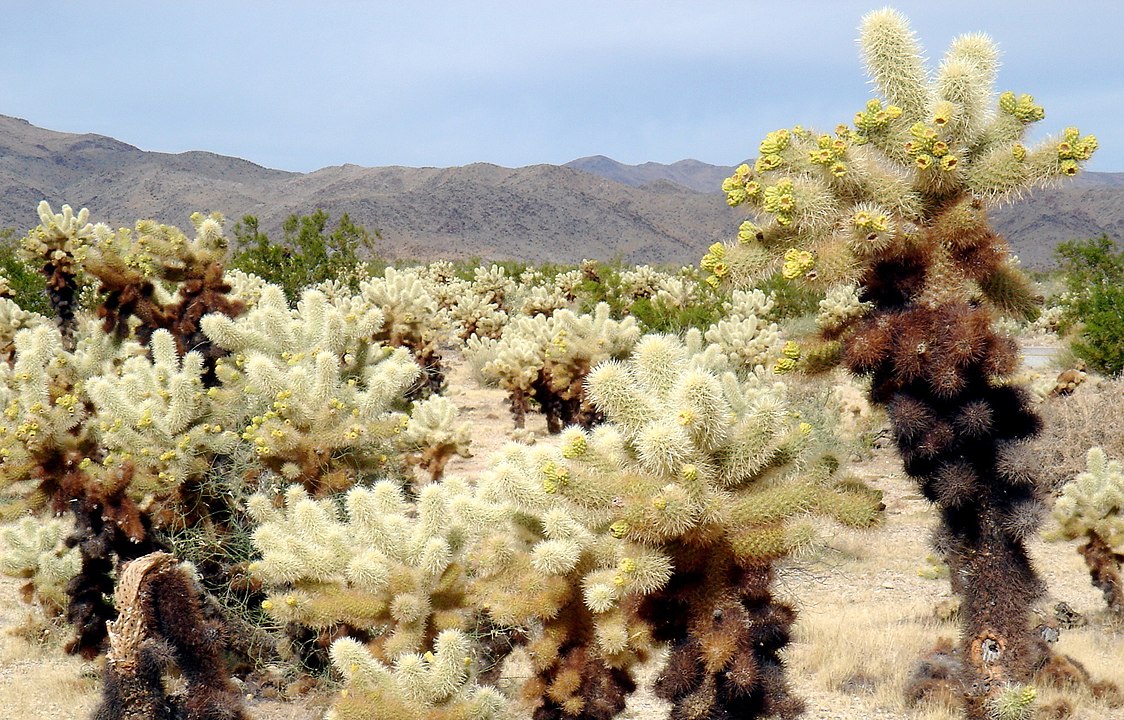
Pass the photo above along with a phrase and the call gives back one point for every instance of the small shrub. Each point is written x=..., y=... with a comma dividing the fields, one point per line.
x=1094, y=276
x=25, y=285
x=307, y=254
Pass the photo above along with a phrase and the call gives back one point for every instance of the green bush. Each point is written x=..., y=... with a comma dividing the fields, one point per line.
x=790, y=299
x=656, y=317
x=308, y=253
x=1094, y=300
x=26, y=283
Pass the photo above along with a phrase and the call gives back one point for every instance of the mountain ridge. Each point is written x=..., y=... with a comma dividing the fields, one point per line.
x=592, y=207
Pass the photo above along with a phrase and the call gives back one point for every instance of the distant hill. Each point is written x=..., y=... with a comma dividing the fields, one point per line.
x=691, y=174
x=589, y=208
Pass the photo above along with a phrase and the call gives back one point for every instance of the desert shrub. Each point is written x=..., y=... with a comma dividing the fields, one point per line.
x=790, y=300
x=1094, y=277
x=307, y=253
x=698, y=307
x=1091, y=416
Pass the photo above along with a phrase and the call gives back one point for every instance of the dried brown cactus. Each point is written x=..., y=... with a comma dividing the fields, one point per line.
x=161, y=625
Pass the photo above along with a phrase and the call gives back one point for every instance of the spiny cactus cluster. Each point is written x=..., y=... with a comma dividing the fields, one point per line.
x=53, y=246
x=435, y=685
x=434, y=435
x=133, y=267
x=33, y=549
x=661, y=525
x=1091, y=507
x=121, y=421
x=411, y=319
x=746, y=336
x=887, y=215
x=385, y=568
x=317, y=395
x=545, y=360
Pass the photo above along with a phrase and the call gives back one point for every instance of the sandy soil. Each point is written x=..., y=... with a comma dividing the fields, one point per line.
x=866, y=614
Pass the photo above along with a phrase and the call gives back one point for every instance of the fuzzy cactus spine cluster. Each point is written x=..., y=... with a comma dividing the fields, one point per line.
x=662, y=525
x=1090, y=507
x=545, y=360
x=888, y=217
x=386, y=570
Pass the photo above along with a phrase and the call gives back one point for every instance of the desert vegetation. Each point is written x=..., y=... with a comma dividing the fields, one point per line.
x=243, y=478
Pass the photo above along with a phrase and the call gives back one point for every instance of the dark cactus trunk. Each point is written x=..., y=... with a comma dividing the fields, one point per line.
x=726, y=633
x=935, y=364
x=1104, y=570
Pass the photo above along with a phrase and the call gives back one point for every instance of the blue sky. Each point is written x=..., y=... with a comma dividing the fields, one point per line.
x=304, y=85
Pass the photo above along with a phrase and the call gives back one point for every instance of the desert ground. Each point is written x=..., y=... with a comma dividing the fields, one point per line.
x=866, y=615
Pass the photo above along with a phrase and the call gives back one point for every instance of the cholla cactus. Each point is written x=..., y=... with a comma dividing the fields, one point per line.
x=411, y=320
x=546, y=359
x=542, y=300
x=433, y=435
x=493, y=285
x=482, y=307
x=132, y=266
x=387, y=566
x=33, y=549
x=1050, y=320
x=155, y=414
x=435, y=685
x=54, y=246
x=43, y=415
x=895, y=205
x=661, y=524
x=122, y=433
x=676, y=293
x=246, y=288
x=839, y=307
x=745, y=336
x=13, y=318
x=472, y=315
x=568, y=282
x=318, y=394
x=45, y=456
x=1091, y=506
x=640, y=282
x=1015, y=702
x=45, y=409
x=162, y=624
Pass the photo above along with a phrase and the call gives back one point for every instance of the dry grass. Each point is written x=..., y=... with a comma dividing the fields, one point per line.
x=37, y=680
x=1092, y=416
